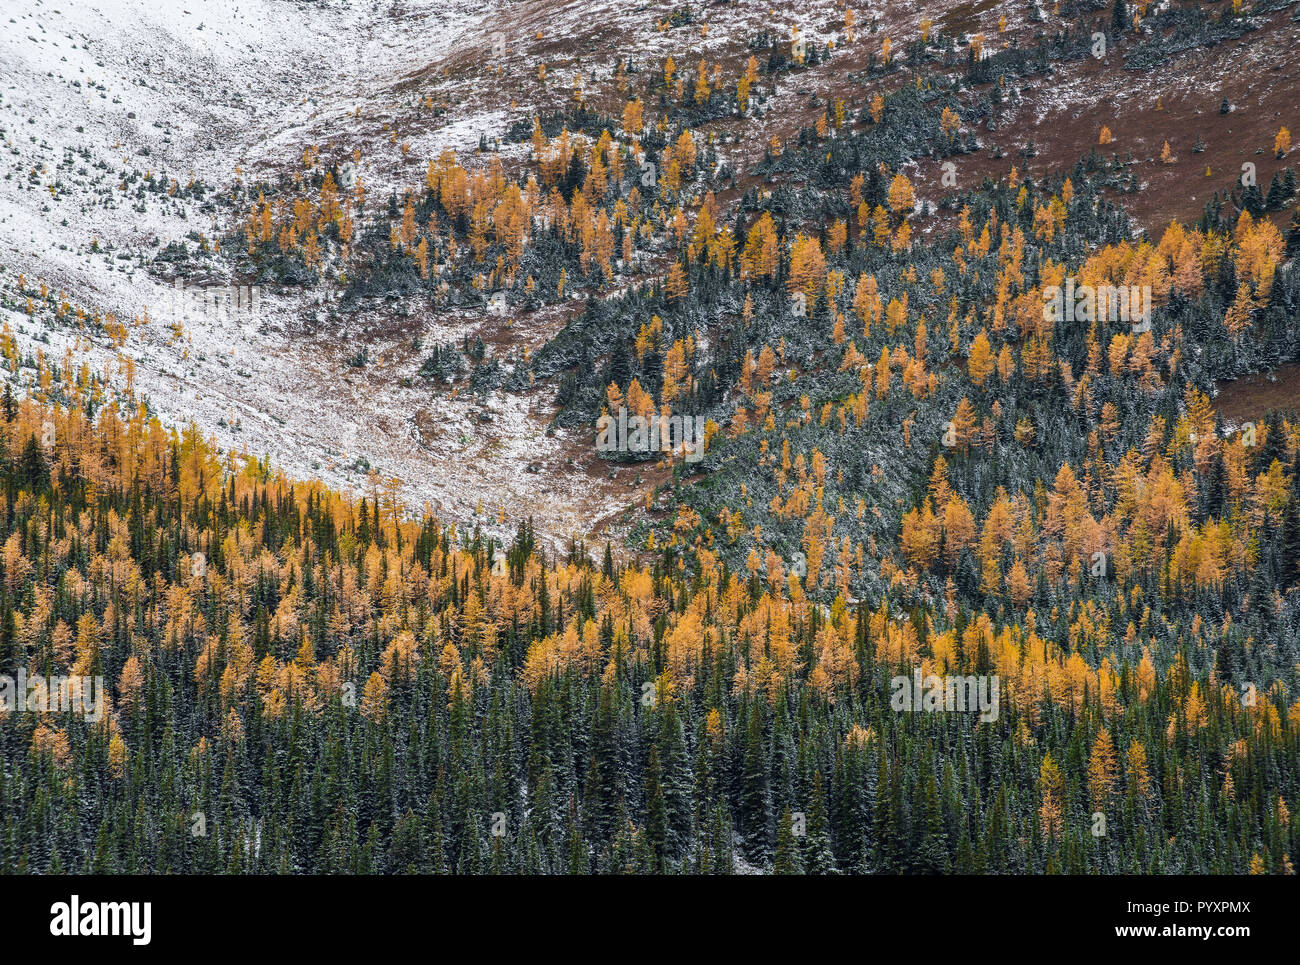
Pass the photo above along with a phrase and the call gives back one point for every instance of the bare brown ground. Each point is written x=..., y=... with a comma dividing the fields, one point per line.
x=1249, y=398
x=1064, y=115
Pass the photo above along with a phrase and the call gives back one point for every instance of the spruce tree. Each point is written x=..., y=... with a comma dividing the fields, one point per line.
x=787, y=860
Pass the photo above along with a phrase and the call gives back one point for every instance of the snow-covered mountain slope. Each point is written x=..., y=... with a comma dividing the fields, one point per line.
x=102, y=101
x=209, y=91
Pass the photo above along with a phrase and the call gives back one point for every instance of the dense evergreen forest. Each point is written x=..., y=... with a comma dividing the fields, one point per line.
x=300, y=683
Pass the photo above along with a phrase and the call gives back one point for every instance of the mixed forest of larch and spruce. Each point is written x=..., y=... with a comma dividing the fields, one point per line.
x=909, y=467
